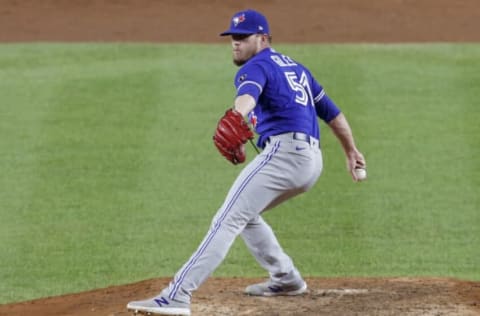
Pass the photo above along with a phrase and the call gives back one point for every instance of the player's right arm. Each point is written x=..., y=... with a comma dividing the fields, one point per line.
x=331, y=114
x=340, y=127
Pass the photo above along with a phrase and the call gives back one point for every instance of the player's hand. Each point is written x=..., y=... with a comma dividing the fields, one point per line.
x=355, y=160
x=230, y=136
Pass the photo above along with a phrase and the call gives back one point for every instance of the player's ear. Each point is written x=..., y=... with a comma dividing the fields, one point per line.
x=265, y=38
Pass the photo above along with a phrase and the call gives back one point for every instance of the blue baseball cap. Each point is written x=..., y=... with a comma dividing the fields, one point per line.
x=248, y=22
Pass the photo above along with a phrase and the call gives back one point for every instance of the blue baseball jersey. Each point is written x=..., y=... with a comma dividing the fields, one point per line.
x=288, y=98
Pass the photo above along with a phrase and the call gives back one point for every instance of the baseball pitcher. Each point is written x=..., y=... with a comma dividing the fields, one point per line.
x=282, y=100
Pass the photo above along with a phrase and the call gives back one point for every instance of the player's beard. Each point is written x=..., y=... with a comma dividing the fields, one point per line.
x=241, y=58
x=239, y=62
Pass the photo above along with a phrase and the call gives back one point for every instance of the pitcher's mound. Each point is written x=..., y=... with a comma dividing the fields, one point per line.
x=326, y=296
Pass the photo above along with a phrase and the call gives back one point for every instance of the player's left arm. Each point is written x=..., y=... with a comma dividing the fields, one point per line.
x=249, y=81
x=244, y=104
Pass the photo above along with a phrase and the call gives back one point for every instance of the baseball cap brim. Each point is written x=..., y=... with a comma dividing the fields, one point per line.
x=237, y=32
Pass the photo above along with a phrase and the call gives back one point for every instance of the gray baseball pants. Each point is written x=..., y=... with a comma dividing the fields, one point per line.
x=285, y=168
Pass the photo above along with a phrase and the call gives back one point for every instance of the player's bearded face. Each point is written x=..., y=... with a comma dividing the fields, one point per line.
x=244, y=47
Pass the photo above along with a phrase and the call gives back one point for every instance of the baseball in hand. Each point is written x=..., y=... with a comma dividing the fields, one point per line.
x=361, y=174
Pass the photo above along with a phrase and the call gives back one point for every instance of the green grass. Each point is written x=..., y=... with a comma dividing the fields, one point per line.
x=109, y=174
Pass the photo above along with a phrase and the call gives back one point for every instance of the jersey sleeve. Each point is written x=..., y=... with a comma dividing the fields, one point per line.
x=325, y=107
x=250, y=79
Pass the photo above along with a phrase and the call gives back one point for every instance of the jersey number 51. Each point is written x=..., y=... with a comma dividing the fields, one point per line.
x=301, y=87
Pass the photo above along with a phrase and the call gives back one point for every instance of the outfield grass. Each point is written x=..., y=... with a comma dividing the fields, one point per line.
x=109, y=174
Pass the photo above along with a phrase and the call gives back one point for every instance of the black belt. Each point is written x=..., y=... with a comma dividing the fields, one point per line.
x=302, y=137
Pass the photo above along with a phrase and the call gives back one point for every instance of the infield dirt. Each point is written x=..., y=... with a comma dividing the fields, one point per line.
x=201, y=21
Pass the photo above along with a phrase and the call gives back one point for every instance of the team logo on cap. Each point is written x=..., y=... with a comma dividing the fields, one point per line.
x=238, y=19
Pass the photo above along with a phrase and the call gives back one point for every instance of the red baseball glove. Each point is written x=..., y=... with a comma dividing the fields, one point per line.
x=230, y=136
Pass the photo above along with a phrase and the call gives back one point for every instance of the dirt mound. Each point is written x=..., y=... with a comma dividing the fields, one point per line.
x=201, y=21
x=219, y=296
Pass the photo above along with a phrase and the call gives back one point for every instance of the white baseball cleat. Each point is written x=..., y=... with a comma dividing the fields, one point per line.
x=159, y=306
x=269, y=288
